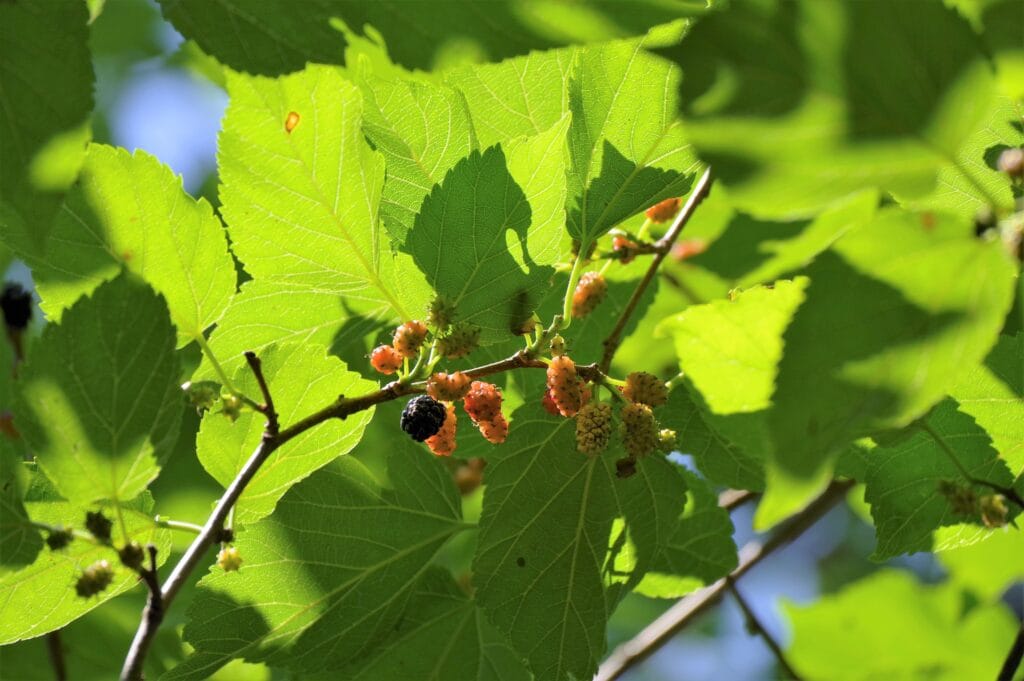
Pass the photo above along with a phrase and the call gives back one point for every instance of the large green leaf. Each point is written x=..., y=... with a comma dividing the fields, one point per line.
x=129, y=211
x=442, y=635
x=626, y=142
x=423, y=130
x=987, y=568
x=981, y=427
x=889, y=626
x=19, y=541
x=517, y=97
x=700, y=549
x=302, y=379
x=560, y=536
x=100, y=402
x=46, y=82
x=795, y=104
x=328, y=575
x=41, y=597
x=302, y=206
x=488, y=235
x=274, y=37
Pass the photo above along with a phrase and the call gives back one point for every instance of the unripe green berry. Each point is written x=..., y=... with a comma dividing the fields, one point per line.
x=593, y=428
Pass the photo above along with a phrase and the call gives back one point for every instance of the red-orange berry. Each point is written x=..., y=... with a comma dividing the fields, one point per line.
x=482, y=402
x=688, y=248
x=625, y=247
x=588, y=294
x=564, y=385
x=549, y=404
x=386, y=359
x=663, y=211
x=409, y=337
x=645, y=388
x=494, y=431
x=448, y=387
x=442, y=443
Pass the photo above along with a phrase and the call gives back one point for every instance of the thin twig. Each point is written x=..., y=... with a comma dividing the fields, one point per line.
x=267, y=408
x=1013, y=658
x=664, y=245
x=56, y=651
x=676, y=618
x=757, y=627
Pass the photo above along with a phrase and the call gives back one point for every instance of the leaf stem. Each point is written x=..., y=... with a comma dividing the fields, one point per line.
x=1007, y=492
x=221, y=374
x=570, y=289
x=177, y=525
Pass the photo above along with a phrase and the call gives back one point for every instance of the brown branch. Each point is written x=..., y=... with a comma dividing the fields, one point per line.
x=676, y=618
x=758, y=628
x=663, y=246
x=1013, y=658
x=267, y=408
x=55, y=649
x=734, y=498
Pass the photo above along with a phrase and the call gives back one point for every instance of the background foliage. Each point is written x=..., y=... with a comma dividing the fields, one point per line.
x=845, y=306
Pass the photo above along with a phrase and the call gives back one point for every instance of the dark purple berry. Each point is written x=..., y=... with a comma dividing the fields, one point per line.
x=16, y=303
x=98, y=525
x=422, y=417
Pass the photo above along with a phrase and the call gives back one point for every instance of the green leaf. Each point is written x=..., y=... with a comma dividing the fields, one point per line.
x=302, y=207
x=487, y=236
x=981, y=427
x=889, y=626
x=971, y=181
x=719, y=459
x=442, y=635
x=100, y=402
x=41, y=597
x=700, y=549
x=328, y=575
x=903, y=481
x=878, y=340
x=548, y=573
x=987, y=568
x=302, y=380
x=422, y=130
x=46, y=83
x=626, y=143
x=129, y=211
x=19, y=541
x=518, y=97
x=795, y=104
x=274, y=37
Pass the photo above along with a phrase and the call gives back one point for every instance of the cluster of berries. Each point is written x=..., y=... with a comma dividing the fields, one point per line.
x=431, y=418
x=568, y=395
x=964, y=501
x=96, y=577
x=454, y=340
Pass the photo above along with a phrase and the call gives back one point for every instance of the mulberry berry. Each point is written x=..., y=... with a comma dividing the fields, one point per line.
x=1011, y=162
x=663, y=211
x=470, y=476
x=442, y=443
x=549, y=404
x=625, y=248
x=229, y=559
x=494, y=431
x=441, y=313
x=448, y=387
x=409, y=337
x=131, y=555
x=666, y=440
x=557, y=346
x=386, y=359
x=962, y=499
x=16, y=304
x=422, y=417
x=564, y=385
x=644, y=388
x=588, y=294
x=482, y=402
x=993, y=510
x=99, y=525
x=625, y=468
x=461, y=340
x=593, y=428
x=94, y=579
x=639, y=430
x=59, y=537
x=688, y=248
